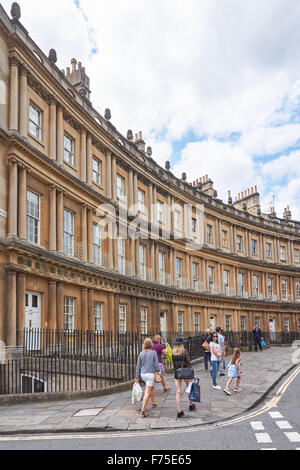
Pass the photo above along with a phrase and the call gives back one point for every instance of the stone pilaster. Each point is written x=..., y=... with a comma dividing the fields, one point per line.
x=52, y=219
x=83, y=155
x=84, y=232
x=52, y=309
x=52, y=129
x=22, y=202
x=14, y=95
x=13, y=198
x=60, y=221
x=11, y=309
x=60, y=136
x=108, y=182
x=21, y=290
x=23, y=117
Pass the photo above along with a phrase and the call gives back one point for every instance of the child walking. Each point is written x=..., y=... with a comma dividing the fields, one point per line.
x=234, y=372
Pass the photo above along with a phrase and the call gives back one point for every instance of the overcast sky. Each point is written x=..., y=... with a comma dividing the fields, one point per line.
x=213, y=84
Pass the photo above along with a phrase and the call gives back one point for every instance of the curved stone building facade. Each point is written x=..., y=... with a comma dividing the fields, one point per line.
x=95, y=235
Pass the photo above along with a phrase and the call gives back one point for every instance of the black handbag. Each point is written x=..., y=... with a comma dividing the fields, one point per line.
x=184, y=373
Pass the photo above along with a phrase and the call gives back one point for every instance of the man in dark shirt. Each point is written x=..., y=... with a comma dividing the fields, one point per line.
x=257, y=337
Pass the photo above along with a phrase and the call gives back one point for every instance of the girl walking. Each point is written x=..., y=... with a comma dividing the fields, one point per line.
x=146, y=367
x=180, y=358
x=234, y=372
x=216, y=357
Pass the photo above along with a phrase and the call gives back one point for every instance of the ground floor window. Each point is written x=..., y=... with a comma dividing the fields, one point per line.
x=228, y=322
x=257, y=321
x=196, y=322
x=180, y=322
x=98, y=316
x=69, y=312
x=243, y=323
x=122, y=318
x=286, y=325
x=144, y=326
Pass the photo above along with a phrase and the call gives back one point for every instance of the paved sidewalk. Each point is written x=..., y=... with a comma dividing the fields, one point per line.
x=116, y=413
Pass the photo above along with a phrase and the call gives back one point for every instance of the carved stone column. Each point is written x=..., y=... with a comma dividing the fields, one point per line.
x=60, y=306
x=11, y=309
x=52, y=306
x=83, y=155
x=52, y=219
x=89, y=160
x=14, y=95
x=108, y=182
x=21, y=290
x=22, y=203
x=60, y=136
x=60, y=221
x=52, y=129
x=90, y=235
x=114, y=177
x=23, y=118
x=91, y=322
x=13, y=198
x=84, y=232
x=84, y=310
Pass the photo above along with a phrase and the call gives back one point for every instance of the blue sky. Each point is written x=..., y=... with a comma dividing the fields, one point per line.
x=213, y=85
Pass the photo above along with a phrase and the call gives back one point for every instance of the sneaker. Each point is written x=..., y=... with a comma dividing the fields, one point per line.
x=192, y=407
x=217, y=387
x=180, y=415
x=237, y=390
x=221, y=374
x=227, y=392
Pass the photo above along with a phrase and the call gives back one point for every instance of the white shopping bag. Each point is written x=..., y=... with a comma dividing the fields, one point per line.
x=137, y=393
x=189, y=387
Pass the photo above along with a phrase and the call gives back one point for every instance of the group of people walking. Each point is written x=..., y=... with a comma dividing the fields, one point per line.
x=214, y=350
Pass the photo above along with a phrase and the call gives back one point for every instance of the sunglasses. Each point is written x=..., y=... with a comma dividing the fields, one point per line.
x=215, y=336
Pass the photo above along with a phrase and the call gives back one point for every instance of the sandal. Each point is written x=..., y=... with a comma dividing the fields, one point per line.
x=167, y=389
x=144, y=414
x=154, y=405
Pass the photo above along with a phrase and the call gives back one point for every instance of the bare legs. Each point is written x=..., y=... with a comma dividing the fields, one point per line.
x=149, y=393
x=178, y=383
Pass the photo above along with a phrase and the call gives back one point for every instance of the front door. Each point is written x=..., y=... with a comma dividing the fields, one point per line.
x=272, y=328
x=213, y=323
x=33, y=321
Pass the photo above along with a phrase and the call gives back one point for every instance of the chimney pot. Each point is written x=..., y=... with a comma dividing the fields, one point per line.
x=68, y=71
x=73, y=62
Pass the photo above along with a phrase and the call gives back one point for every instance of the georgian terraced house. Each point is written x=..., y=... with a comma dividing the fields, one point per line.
x=60, y=161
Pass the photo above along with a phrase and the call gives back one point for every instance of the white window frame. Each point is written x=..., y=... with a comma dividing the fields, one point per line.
x=97, y=171
x=296, y=256
x=196, y=322
x=69, y=235
x=195, y=271
x=160, y=212
x=180, y=322
x=69, y=152
x=226, y=278
x=33, y=216
x=239, y=243
x=209, y=233
x=69, y=313
x=98, y=316
x=141, y=200
x=255, y=285
x=121, y=256
x=241, y=278
x=284, y=289
x=142, y=262
x=269, y=250
x=282, y=253
x=243, y=323
x=161, y=267
x=257, y=321
x=194, y=227
x=144, y=320
x=120, y=187
x=211, y=277
x=97, y=245
x=254, y=246
x=177, y=220
x=122, y=318
x=270, y=287
x=224, y=239
x=297, y=291
x=178, y=271
x=38, y=125
x=286, y=325
x=227, y=323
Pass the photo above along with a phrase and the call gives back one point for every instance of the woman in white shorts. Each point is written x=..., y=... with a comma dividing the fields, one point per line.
x=146, y=367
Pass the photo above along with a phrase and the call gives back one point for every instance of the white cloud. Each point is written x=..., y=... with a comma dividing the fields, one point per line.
x=226, y=164
x=167, y=67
